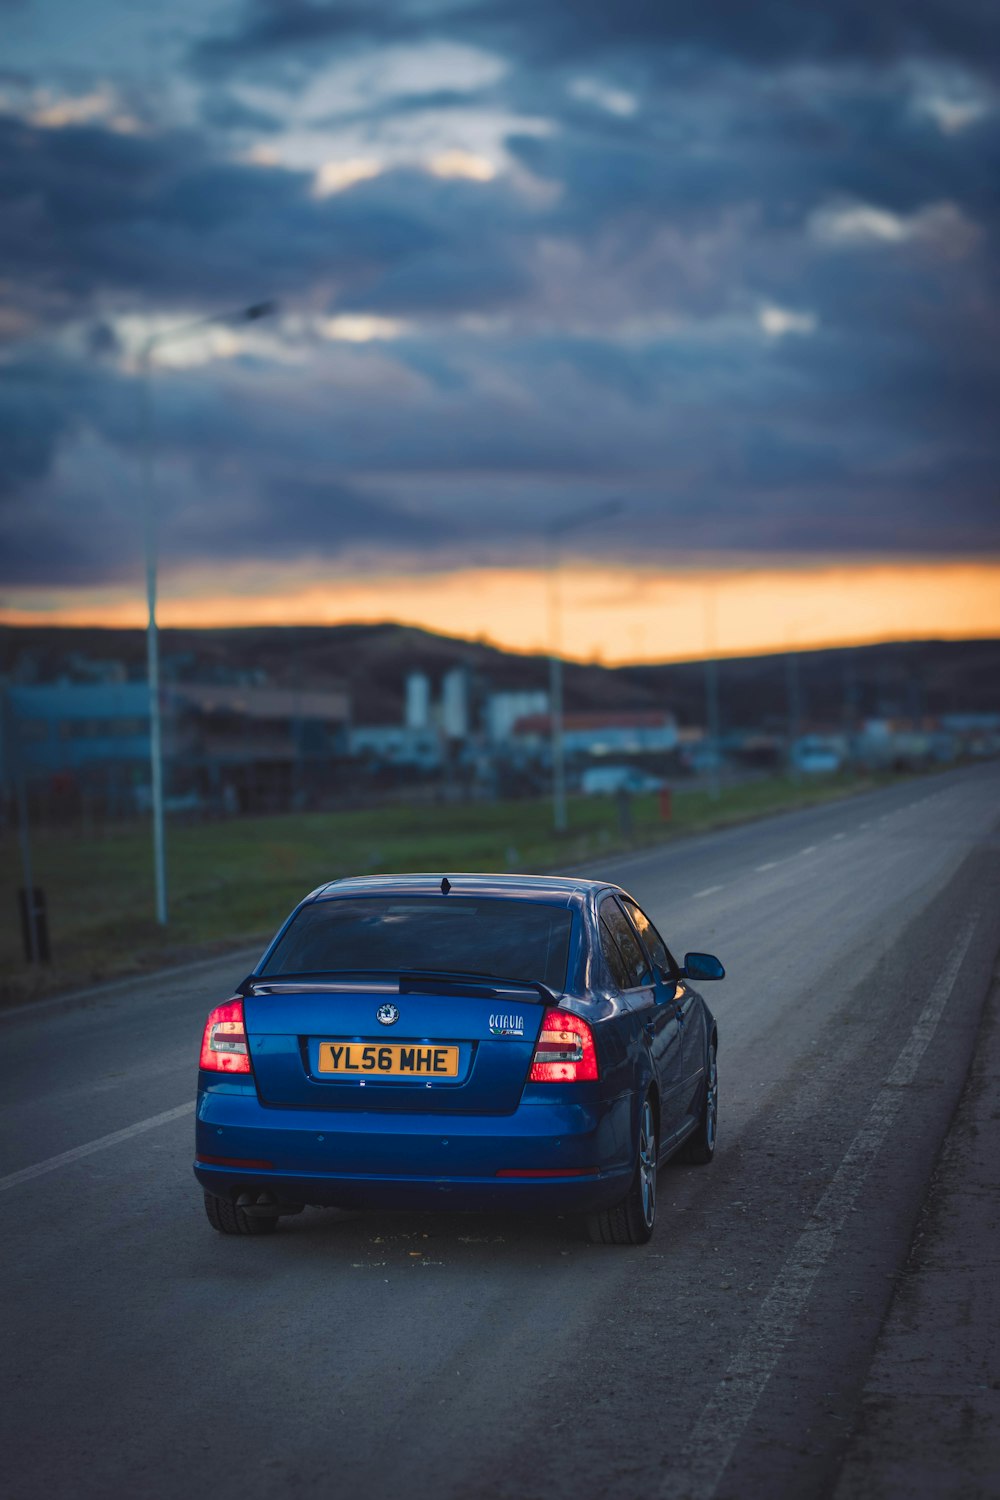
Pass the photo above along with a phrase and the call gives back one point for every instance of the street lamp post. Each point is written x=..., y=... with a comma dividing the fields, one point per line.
x=248, y=314
x=553, y=531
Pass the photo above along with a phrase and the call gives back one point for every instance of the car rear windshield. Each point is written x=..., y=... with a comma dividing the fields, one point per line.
x=509, y=939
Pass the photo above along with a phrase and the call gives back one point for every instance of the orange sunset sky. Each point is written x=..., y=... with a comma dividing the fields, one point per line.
x=612, y=613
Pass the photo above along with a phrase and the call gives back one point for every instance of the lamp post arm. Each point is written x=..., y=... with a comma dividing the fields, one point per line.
x=251, y=314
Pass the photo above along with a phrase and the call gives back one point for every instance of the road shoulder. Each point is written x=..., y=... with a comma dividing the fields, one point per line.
x=931, y=1403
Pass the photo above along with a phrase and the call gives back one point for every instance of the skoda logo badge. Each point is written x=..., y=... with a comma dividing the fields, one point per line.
x=387, y=1014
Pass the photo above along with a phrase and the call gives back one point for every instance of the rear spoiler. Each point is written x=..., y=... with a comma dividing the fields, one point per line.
x=416, y=982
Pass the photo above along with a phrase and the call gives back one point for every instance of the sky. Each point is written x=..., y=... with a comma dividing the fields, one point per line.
x=693, y=308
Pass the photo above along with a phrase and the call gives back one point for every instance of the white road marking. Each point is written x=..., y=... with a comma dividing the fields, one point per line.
x=724, y=1419
x=840, y=836
x=709, y=890
x=769, y=866
x=864, y=825
x=809, y=849
x=101, y=1144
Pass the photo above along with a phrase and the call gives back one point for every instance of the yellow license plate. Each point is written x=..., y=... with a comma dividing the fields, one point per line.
x=405, y=1059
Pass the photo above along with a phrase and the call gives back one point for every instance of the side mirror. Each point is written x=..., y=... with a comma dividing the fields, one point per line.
x=702, y=966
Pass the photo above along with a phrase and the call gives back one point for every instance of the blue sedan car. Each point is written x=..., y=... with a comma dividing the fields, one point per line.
x=489, y=1042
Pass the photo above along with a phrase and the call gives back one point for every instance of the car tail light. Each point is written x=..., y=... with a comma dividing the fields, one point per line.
x=224, y=1044
x=564, y=1052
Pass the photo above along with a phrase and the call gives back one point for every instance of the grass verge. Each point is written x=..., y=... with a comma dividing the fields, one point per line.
x=231, y=883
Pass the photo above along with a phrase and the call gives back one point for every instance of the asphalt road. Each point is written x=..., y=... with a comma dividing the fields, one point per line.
x=384, y=1355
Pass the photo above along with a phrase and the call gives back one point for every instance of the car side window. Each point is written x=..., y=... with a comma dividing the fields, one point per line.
x=619, y=971
x=633, y=964
x=655, y=946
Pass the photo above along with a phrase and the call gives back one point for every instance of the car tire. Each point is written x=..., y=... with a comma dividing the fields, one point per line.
x=631, y=1222
x=228, y=1218
x=699, y=1149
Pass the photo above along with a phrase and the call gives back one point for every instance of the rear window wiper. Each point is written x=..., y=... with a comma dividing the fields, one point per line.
x=427, y=976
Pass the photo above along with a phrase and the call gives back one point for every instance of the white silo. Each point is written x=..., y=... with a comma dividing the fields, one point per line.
x=455, y=704
x=418, y=701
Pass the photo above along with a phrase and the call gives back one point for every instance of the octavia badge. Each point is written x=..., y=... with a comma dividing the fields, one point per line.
x=387, y=1014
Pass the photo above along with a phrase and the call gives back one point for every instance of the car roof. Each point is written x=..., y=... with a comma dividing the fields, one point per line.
x=549, y=888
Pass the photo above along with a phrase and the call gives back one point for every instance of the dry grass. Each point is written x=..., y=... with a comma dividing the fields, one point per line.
x=232, y=882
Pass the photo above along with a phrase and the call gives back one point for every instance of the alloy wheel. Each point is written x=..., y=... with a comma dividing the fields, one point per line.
x=712, y=1101
x=647, y=1164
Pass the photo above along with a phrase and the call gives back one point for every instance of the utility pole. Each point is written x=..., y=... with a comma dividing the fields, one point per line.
x=12, y=741
x=712, y=692
x=794, y=709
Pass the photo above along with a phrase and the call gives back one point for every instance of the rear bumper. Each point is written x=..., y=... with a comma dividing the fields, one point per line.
x=422, y=1194
x=416, y=1161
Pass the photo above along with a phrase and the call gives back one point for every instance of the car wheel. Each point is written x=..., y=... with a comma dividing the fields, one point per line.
x=228, y=1218
x=631, y=1221
x=699, y=1148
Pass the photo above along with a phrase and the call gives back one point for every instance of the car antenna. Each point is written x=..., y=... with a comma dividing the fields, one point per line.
x=445, y=886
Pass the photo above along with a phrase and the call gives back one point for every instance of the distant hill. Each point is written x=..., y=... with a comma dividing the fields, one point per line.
x=913, y=678
x=899, y=679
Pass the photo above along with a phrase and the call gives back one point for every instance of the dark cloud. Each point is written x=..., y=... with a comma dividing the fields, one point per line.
x=445, y=280
x=101, y=341
x=288, y=516
x=32, y=418
x=793, y=447
x=398, y=106
x=651, y=305
x=767, y=34
x=222, y=110
x=779, y=151
x=47, y=398
x=220, y=494
x=91, y=214
x=273, y=25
